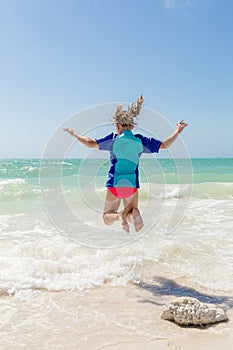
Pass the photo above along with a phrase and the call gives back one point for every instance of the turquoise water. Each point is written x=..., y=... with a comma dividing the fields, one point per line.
x=204, y=169
x=21, y=178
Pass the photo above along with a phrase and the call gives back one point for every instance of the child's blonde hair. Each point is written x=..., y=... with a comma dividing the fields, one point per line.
x=126, y=118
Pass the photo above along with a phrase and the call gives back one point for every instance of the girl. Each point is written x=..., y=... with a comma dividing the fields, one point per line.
x=125, y=150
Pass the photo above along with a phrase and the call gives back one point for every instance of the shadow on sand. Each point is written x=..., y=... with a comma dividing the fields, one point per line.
x=164, y=287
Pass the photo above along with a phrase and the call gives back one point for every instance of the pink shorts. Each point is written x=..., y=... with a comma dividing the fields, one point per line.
x=122, y=192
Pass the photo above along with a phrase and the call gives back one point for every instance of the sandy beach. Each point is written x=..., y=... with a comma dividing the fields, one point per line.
x=107, y=317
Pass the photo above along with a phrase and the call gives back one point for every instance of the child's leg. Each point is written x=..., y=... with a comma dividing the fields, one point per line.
x=111, y=215
x=137, y=219
x=132, y=212
x=129, y=204
x=111, y=207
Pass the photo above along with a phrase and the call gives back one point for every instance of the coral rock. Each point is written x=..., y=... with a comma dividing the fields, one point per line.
x=191, y=312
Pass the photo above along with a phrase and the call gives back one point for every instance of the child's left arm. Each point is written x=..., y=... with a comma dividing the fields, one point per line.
x=169, y=141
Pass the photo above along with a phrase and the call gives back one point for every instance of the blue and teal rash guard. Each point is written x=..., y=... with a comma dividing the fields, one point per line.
x=125, y=150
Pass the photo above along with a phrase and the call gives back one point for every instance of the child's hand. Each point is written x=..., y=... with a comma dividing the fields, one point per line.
x=70, y=131
x=140, y=100
x=180, y=126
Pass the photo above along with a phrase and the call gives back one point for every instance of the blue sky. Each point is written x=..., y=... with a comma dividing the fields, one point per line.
x=61, y=56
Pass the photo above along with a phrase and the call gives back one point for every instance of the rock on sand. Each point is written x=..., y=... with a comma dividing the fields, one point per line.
x=188, y=311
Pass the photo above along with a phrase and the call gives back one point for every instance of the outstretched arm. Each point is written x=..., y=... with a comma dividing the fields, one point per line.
x=169, y=140
x=86, y=141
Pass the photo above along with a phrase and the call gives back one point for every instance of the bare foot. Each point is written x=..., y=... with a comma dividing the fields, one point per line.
x=137, y=220
x=123, y=221
x=129, y=217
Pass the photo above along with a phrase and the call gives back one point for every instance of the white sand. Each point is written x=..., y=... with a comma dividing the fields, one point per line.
x=108, y=318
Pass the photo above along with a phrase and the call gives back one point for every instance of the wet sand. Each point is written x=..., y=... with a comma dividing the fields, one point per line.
x=108, y=318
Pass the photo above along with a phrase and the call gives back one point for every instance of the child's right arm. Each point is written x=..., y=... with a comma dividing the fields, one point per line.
x=86, y=141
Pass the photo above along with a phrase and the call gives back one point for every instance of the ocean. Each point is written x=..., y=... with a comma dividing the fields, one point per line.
x=52, y=237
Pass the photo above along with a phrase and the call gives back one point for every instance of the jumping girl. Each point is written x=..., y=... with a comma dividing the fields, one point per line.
x=125, y=150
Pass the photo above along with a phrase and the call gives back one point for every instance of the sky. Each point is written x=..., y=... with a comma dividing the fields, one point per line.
x=58, y=57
